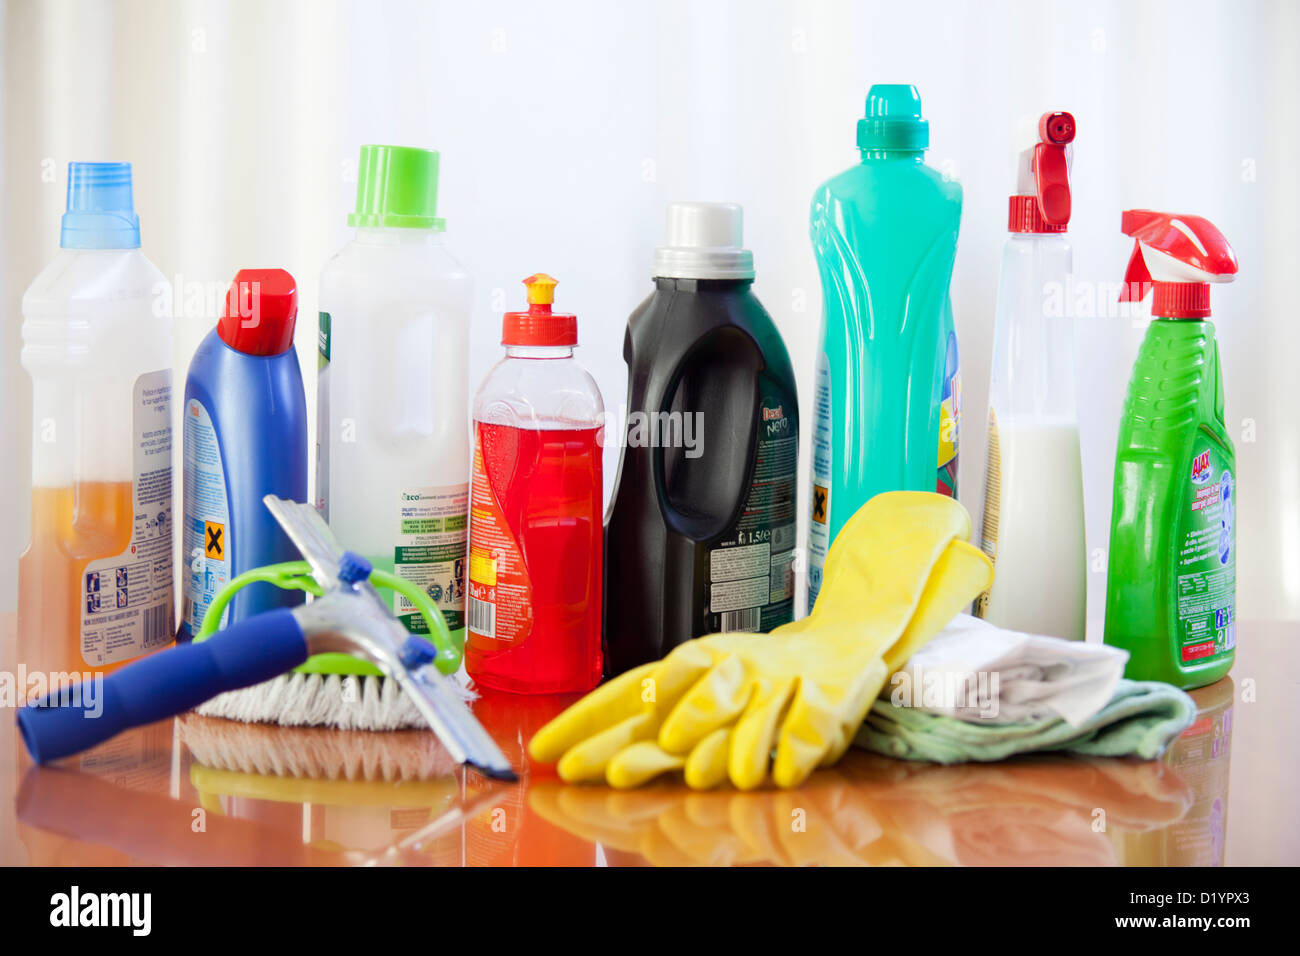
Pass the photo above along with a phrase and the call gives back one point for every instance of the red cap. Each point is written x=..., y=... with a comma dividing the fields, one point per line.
x=1181, y=300
x=1024, y=216
x=539, y=326
x=1188, y=253
x=1048, y=210
x=261, y=308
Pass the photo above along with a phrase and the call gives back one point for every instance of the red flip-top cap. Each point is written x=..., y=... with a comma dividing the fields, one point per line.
x=261, y=309
x=1048, y=210
x=539, y=326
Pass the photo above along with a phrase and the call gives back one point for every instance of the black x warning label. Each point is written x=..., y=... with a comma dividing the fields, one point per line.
x=819, y=503
x=214, y=537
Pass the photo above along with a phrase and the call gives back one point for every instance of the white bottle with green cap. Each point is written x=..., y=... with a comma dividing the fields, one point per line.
x=392, y=441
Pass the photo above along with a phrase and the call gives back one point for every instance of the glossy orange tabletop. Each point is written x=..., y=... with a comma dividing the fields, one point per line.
x=201, y=791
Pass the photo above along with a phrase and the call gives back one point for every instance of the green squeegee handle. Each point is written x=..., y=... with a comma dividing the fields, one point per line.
x=291, y=575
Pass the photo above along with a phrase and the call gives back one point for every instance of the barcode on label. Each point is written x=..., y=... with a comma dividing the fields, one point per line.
x=482, y=617
x=157, y=625
x=749, y=619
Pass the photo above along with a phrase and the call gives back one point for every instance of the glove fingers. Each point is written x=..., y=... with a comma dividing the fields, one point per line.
x=859, y=701
x=712, y=702
x=680, y=671
x=813, y=726
x=805, y=737
x=751, y=743
x=706, y=767
x=602, y=708
x=962, y=573
x=589, y=758
x=639, y=762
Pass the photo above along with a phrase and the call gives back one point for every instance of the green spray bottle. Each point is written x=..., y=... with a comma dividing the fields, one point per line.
x=1171, y=587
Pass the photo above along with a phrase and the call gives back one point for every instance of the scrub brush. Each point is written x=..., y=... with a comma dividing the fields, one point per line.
x=314, y=753
x=346, y=616
x=330, y=690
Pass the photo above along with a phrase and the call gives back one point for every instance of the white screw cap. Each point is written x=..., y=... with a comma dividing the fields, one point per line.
x=704, y=240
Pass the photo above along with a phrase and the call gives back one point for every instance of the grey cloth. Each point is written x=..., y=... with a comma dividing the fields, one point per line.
x=1141, y=719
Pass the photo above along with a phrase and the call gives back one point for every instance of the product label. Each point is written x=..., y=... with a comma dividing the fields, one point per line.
x=323, y=416
x=1207, y=559
x=949, y=421
x=206, y=537
x=992, y=505
x=819, y=525
x=430, y=553
x=751, y=574
x=500, y=589
x=127, y=605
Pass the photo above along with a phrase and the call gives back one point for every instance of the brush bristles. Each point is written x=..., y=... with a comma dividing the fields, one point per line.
x=315, y=753
x=345, y=702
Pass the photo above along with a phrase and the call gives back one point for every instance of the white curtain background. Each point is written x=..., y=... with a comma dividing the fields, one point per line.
x=565, y=127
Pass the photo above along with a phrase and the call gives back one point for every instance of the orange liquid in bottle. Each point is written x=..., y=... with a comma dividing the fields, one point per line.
x=71, y=526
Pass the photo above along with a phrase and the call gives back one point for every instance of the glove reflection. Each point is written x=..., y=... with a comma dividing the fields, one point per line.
x=872, y=811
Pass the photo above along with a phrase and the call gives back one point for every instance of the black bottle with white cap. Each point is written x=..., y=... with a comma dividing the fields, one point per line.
x=700, y=534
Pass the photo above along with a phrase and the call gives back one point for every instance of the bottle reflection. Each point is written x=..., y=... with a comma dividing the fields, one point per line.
x=1200, y=756
x=206, y=791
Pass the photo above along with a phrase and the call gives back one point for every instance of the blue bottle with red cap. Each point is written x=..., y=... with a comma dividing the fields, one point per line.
x=245, y=438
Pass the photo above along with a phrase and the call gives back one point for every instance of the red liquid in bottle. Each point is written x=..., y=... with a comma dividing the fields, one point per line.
x=535, y=542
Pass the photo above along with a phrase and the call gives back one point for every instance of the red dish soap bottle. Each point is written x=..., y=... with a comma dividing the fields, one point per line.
x=535, y=516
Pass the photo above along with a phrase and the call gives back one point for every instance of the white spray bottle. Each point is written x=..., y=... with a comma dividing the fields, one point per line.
x=1033, y=498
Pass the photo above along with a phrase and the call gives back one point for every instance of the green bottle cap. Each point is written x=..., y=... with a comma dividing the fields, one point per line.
x=893, y=119
x=397, y=186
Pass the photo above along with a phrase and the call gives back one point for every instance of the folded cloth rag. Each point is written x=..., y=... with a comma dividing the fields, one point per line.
x=976, y=671
x=1142, y=719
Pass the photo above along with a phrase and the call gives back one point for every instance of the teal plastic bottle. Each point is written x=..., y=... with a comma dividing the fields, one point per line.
x=1171, y=586
x=887, y=392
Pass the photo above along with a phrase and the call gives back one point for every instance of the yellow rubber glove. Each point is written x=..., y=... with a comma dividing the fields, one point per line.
x=718, y=706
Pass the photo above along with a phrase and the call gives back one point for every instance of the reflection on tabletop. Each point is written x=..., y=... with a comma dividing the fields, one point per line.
x=206, y=791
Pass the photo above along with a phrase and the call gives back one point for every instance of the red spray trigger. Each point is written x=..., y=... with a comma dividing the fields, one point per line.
x=1051, y=171
x=1188, y=253
x=1137, y=280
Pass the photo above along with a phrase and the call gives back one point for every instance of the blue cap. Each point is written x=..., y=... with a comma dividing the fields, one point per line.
x=893, y=119
x=101, y=210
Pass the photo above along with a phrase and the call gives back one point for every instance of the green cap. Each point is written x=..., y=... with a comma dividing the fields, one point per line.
x=893, y=119
x=397, y=186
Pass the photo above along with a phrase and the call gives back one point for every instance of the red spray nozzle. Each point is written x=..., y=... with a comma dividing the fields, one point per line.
x=1177, y=255
x=1056, y=128
x=1048, y=209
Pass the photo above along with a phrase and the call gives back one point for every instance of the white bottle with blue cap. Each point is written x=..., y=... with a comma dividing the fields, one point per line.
x=95, y=583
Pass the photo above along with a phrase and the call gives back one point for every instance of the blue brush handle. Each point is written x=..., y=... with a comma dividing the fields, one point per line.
x=166, y=684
